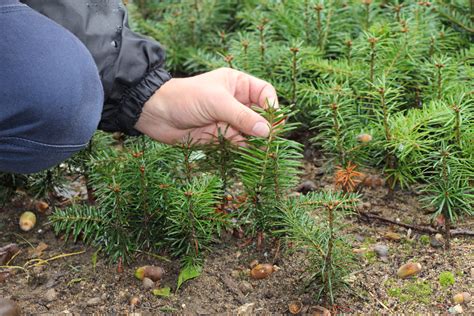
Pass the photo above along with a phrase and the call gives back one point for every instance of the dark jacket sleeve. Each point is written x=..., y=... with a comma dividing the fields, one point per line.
x=130, y=65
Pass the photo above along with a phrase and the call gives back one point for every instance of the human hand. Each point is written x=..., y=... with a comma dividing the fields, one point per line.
x=198, y=106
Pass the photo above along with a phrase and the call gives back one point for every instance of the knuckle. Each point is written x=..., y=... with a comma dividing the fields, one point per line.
x=242, y=118
x=223, y=69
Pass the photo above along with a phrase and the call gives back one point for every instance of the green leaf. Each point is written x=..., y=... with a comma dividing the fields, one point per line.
x=187, y=273
x=163, y=292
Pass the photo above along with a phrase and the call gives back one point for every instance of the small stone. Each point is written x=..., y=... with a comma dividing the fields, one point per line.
x=435, y=243
x=9, y=308
x=245, y=287
x=366, y=205
x=134, y=301
x=457, y=309
x=306, y=187
x=472, y=272
x=50, y=295
x=381, y=250
x=94, y=301
x=463, y=297
x=148, y=283
x=409, y=269
x=359, y=238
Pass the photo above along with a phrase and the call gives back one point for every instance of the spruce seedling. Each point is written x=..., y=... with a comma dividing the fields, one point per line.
x=449, y=187
x=312, y=224
x=268, y=168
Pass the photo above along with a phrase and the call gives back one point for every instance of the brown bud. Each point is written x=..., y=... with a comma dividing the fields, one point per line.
x=364, y=138
x=319, y=7
x=409, y=269
x=151, y=272
x=27, y=221
x=42, y=206
x=261, y=271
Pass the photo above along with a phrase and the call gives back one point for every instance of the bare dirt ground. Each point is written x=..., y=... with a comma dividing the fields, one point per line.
x=72, y=284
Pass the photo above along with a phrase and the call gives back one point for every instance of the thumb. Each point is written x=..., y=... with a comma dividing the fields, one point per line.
x=241, y=117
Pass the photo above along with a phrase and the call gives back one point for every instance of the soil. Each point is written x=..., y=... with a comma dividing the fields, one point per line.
x=73, y=284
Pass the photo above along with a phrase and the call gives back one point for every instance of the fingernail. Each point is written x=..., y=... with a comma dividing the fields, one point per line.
x=261, y=129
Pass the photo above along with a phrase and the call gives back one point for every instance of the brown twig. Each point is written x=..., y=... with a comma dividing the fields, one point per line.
x=425, y=229
x=277, y=251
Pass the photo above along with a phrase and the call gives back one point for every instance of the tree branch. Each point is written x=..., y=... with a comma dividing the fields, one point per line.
x=425, y=229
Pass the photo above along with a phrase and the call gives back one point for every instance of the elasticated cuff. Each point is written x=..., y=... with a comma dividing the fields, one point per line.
x=133, y=100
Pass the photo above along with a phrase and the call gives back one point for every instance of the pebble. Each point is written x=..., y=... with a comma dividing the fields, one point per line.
x=381, y=250
x=134, y=301
x=472, y=272
x=464, y=297
x=366, y=205
x=9, y=308
x=435, y=243
x=359, y=238
x=457, y=309
x=94, y=301
x=245, y=287
x=50, y=295
x=306, y=187
x=148, y=283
